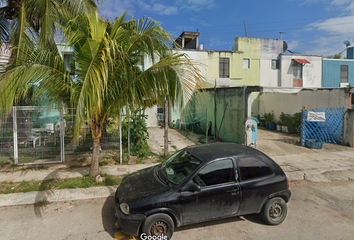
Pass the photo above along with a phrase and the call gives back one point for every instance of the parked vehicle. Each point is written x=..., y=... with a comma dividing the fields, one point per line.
x=201, y=183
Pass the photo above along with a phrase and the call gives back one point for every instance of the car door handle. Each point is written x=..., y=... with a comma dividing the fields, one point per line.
x=233, y=192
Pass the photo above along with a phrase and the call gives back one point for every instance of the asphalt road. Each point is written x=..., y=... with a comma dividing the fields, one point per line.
x=316, y=211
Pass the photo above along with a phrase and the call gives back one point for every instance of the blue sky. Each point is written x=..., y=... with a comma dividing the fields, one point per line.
x=309, y=26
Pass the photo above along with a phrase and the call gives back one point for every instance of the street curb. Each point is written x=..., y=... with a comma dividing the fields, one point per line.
x=56, y=195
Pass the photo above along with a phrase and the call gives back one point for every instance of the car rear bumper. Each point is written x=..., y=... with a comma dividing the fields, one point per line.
x=130, y=224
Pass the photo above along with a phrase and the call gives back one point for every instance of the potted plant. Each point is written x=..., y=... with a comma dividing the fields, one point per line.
x=269, y=121
x=286, y=121
x=279, y=126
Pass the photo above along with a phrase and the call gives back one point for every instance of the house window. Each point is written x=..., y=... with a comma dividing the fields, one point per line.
x=275, y=64
x=224, y=68
x=160, y=114
x=69, y=63
x=246, y=63
x=344, y=73
x=141, y=63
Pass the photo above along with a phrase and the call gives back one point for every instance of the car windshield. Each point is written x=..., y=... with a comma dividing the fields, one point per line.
x=178, y=167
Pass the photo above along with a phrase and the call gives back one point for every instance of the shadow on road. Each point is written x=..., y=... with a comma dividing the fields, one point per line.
x=44, y=193
x=209, y=223
x=107, y=212
x=108, y=219
x=255, y=218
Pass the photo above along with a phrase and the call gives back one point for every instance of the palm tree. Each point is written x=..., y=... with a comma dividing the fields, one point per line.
x=106, y=77
x=25, y=21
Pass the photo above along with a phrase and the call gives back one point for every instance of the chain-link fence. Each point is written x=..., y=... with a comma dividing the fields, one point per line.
x=6, y=138
x=37, y=135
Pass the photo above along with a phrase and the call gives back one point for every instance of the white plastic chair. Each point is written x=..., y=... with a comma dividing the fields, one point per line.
x=31, y=137
x=181, y=121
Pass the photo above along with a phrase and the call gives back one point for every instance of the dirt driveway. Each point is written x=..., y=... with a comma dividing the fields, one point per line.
x=332, y=162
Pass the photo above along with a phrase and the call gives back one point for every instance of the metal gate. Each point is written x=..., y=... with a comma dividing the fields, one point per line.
x=325, y=124
x=38, y=135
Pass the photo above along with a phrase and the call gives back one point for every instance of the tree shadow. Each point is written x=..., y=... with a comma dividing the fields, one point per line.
x=107, y=212
x=44, y=192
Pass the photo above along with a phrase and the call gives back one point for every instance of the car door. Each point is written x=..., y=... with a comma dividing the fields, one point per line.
x=218, y=196
x=257, y=181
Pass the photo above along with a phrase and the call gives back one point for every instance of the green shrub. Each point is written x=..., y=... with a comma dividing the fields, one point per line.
x=291, y=121
x=269, y=117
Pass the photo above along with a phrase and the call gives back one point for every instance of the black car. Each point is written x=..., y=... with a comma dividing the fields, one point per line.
x=201, y=183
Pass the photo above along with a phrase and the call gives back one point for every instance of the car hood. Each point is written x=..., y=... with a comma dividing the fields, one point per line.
x=140, y=184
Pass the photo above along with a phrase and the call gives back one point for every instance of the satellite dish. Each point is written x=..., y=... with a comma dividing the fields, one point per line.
x=347, y=43
x=285, y=46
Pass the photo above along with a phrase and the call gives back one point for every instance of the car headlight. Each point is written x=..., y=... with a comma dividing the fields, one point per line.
x=124, y=208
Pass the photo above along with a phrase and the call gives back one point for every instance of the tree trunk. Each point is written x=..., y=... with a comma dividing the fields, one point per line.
x=94, y=170
x=96, y=135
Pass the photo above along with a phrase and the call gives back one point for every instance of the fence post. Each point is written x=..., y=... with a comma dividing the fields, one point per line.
x=166, y=128
x=120, y=137
x=14, y=121
x=128, y=118
x=62, y=134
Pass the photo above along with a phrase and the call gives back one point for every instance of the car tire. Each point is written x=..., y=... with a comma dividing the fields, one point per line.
x=275, y=211
x=158, y=224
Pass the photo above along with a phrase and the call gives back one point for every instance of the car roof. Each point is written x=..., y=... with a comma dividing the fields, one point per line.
x=211, y=151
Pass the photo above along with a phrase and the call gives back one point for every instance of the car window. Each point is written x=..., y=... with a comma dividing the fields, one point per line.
x=221, y=171
x=178, y=167
x=252, y=167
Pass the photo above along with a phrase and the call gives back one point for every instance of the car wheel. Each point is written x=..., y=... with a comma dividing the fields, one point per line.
x=274, y=211
x=158, y=224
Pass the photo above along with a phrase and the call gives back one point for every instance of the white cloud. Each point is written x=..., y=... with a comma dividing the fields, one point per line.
x=336, y=30
x=195, y=5
x=338, y=25
x=340, y=2
x=114, y=8
x=164, y=10
x=293, y=44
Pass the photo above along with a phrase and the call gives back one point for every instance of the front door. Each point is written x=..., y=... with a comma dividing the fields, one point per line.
x=218, y=197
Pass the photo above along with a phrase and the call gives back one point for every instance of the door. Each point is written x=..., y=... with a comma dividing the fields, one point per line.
x=219, y=194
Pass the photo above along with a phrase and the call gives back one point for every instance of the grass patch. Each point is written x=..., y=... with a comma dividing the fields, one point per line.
x=69, y=183
x=201, y=140
x=42, y=203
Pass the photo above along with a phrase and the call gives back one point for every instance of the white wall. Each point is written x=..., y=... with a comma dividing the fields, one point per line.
x=151, y=120
x=270, y=49
x=312, y=72
x=291, y=103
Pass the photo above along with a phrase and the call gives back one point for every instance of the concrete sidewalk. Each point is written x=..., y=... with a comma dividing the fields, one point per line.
x=332, y=163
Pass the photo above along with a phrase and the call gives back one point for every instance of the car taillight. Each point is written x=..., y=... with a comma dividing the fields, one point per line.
x=287, y=182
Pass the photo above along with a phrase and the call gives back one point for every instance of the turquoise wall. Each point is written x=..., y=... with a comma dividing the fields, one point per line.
x=331, y=72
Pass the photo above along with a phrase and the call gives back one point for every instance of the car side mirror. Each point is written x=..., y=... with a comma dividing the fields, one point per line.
x=191, y=187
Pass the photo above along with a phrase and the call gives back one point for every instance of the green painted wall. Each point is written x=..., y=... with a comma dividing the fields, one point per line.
x=251, y=48
x=213, y=63
x=230, y=112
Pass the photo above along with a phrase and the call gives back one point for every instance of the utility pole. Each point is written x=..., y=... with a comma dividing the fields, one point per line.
x=244, y=23
x=166, y=127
